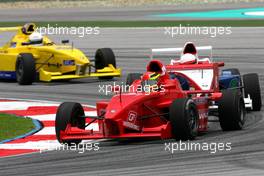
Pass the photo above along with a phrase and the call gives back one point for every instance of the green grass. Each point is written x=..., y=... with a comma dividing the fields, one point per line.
x=12, y=126
x=232, y=23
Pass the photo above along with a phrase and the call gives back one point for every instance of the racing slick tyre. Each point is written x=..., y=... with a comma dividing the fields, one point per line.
x=234, y=71
x=25, y=69
x=231, y=110
x=183, y=115
x=104, y=57
x=252, y=88
x=69, y=113
x=131, y=77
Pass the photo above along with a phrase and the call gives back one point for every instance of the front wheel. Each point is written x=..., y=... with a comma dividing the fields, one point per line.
x=25, y=69
x=184, y=119
x=104, y=57
x=69, y=113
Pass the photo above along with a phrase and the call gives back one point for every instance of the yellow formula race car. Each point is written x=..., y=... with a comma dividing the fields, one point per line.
x=29, y=56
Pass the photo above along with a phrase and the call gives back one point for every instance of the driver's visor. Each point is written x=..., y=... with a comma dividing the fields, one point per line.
x=154, y=76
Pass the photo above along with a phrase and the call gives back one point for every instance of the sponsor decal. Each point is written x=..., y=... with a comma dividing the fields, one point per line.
x=132, y=116
x=131, y=120
x=68, y=62
x=131, y=125
x=201, y=100
x=7, y=75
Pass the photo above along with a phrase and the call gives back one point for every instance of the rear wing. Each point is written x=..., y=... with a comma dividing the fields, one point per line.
x=27, y=29
x=10, y=29
x=160, y=51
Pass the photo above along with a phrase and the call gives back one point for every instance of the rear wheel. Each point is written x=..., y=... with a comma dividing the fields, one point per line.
x=104, y=57
x=252, y=88
x=184, y=118
x=69, y=113
x=231, y=110
x=25, y=69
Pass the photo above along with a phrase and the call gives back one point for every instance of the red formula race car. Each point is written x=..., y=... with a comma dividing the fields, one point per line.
x=157, y=104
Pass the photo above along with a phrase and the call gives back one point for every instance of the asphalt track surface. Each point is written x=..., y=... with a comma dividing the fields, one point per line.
x=242, y=49
x=113, y=13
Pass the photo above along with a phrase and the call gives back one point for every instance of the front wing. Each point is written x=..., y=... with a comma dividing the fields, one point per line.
x=107, y=71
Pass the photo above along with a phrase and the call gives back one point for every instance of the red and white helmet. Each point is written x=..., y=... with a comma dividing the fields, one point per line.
x=188, y=59
x=189, y=54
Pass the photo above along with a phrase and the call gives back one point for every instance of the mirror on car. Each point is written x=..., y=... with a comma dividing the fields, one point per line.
x=65, y=41
x=25, y=43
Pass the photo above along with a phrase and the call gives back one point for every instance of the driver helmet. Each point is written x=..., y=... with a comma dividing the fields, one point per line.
x=36, y=38
x=153, y=76
x=150, y=81
x=188, y=59
x=157, y=67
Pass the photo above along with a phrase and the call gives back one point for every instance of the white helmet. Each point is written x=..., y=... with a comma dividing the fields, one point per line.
x=36, y=37
x=188, y=59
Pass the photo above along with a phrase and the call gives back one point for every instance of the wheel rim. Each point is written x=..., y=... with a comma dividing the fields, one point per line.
x=242, y=114
x=76, y=120
x=192, y=120
x=19, y=71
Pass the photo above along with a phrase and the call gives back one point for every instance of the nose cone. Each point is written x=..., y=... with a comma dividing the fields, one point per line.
x=76, y=55
x=118, y=107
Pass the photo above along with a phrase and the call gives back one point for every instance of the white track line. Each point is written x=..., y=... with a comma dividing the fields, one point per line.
x=41, y=101
x=44, y=145
x=33, y=145
x=51, y=117
x=6, y=106
x=51, y=130
x=46, y=131
x=91, y=113
x=93, y=126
